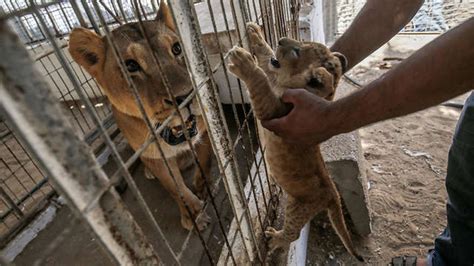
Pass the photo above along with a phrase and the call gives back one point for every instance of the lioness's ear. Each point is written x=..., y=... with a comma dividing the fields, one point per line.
x=342, y=59
x=87, y=49
x=164, y=15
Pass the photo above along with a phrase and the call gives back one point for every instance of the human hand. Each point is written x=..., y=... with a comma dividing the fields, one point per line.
x=308, y=122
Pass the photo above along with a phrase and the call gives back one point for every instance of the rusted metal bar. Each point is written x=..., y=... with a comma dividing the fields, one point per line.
x=78, y=13
x=240, y=19
x=29, y=9
x=11, y=202
x=198, y=65
x=94, y=25
x=111, y=13
x=29, y=105
x=234, y=109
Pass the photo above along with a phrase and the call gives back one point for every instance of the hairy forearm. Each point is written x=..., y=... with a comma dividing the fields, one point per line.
x=437, y=72
x=376, y=23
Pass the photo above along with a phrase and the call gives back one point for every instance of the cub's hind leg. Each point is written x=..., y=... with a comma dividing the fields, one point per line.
x=297, y=214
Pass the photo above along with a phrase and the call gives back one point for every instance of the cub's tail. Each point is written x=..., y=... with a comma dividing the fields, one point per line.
x=337, y=220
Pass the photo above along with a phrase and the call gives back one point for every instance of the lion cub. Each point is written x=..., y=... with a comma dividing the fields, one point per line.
x=298, y=169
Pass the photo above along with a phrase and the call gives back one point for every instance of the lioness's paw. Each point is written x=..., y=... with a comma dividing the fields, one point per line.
x=276, y=240
x=149, y=174
x=202, y=221
x=241, y=63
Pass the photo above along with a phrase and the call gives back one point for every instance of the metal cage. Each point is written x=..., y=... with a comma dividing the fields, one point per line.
x=57, y=128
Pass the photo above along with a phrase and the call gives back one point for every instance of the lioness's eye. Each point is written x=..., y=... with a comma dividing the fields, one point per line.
x=132, y=65
x=176, y=49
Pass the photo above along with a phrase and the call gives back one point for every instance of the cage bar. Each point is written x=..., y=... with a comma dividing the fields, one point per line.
x=29, y=105
x=183, y=13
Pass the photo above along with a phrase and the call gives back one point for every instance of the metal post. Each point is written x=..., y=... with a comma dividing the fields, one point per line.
x=187, y=25
x=90, y=17
x=330, y=20
x=78, y=13
x=29, y=105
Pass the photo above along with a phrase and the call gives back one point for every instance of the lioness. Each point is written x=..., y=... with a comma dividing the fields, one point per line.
x=95, y=55
x=298, y=169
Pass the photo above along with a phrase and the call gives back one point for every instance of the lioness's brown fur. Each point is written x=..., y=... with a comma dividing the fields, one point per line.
x=95, y=54
x=298, y=169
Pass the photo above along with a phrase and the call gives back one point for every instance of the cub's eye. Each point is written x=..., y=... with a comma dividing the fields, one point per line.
x=275, y=62
x=315, y=83
x=296, y=50
x=176, y=49
x=132, y=65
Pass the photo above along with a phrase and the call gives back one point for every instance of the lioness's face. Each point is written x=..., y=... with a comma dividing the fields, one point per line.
x=140, y=53
x=307, y=65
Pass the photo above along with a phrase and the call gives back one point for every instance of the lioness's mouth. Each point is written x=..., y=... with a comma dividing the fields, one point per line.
x=176, y=135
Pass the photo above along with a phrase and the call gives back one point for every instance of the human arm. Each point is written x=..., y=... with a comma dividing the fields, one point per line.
x=376, y=23
x=437, y=72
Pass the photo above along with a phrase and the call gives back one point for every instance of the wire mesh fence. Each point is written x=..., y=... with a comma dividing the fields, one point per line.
x=434, y=16
x=165, y=123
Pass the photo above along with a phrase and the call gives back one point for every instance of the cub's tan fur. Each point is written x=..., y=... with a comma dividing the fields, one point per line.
x=95, y=54
x=298, y=169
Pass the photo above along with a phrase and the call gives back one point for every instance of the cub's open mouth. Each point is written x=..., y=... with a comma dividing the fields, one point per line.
x=175, y=135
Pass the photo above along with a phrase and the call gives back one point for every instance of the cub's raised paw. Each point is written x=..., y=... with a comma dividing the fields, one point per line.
x=276, y=240
x=241, y=63
x=255, y=34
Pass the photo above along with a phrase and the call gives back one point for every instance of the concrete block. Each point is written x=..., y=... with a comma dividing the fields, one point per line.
x=346, y=164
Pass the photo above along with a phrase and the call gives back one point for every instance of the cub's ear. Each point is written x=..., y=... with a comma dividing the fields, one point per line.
x=342, y=59
x=87, y=49
x=164, y=15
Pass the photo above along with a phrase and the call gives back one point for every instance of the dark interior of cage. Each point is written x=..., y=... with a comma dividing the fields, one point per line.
x=26, y=192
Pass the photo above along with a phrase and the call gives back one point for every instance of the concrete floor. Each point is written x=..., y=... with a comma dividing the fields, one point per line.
x=65, y=241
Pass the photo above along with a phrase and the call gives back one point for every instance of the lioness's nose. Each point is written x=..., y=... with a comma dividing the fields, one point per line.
x=181, y=99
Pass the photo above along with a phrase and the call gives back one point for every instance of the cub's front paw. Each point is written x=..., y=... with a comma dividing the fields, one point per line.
x=242, y=63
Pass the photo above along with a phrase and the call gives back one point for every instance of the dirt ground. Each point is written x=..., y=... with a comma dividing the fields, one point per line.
x=406, y=161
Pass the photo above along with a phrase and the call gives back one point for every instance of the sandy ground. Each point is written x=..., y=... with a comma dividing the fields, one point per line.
x=406, y=162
